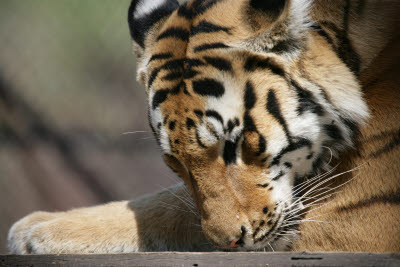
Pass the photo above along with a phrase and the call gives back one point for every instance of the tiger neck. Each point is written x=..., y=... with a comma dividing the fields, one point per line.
x=355, y=29
x=378, y=146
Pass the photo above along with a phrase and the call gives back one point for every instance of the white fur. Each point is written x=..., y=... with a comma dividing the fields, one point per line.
x=299, y=17
x=147, y=6
x=206, y=137
x=229, y=106
x=156, y=118
x=164, y=140
x=218, y=127
x=155, y=115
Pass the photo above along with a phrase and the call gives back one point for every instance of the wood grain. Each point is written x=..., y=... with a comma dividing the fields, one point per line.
x=206, y=259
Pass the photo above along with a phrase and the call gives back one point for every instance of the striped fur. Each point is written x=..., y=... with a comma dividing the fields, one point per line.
x=249, y=101
x=277, y=88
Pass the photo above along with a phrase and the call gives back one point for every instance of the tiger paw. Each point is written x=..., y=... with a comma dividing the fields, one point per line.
x=109, y=228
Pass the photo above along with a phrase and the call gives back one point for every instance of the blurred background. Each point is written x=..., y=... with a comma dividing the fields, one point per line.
x=68, y=93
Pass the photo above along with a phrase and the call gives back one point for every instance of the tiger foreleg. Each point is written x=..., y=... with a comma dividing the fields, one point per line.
x=163, y=221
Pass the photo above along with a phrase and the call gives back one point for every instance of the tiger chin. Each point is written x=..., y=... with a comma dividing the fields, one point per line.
x=280, y=117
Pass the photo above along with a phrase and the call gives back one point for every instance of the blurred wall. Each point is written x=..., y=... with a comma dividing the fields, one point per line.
x=68, y=92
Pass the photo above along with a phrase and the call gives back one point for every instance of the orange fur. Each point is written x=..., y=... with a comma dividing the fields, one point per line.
x=360, y=215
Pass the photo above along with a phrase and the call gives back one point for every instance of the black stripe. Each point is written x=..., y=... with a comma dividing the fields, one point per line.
x=139, y=27
x=276, y=178
x=230, y=152
x=185, y=91
x=352, y=126
x=286, y=46
x=194, y=62
x=198, y=113
x=208, y=87
x=197, y=8
x=395, y=142
x=262, y=145
x=345, y=50
x=333, y=132
x=219, y=63
x=175, y=32
x=274, y=109
x=173, y=76
x=199, y=141
x=207, y=27
x=215, y=115
x=165, y=120
x=175, y=64
x=177, y=88
x=209, y=46
x=185, y=11
x=254, y=63
x=189, y=73
x=288, y=165
x=391, y=197
x=190, y=63
x=249, y=123
x=201, y=6
x=302, y=142
x=249, y=96
x=380, y=136
x=249, y=100
x=324, y=34
x=159, y=97
x=154, y=130
x=307, y=101
x=153, y=76
x=161, y=56
x=231, y=126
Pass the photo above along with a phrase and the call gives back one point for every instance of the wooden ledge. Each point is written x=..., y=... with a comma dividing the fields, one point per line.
x=206, y=259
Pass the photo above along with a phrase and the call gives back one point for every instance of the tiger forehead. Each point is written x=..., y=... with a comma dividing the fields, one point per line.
x=199, y=39
x=188, y=82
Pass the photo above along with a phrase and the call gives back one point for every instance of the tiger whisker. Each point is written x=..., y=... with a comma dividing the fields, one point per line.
x=325, y=181
x=135, y=132
x=312, y=180
x=271, y=247
x=308, y=211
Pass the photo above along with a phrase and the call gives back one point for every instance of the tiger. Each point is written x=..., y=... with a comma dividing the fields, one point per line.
x=282, y=119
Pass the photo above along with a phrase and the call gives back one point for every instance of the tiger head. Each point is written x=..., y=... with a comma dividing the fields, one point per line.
x=245, y=98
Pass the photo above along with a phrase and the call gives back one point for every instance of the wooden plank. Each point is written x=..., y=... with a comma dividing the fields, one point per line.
x=206, y=259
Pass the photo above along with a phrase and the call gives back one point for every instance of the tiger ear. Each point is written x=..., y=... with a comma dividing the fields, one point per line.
x=143, y=16
x=277, y=25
